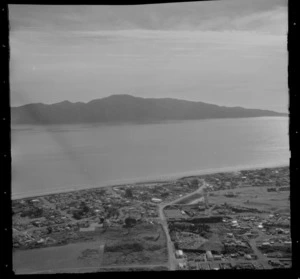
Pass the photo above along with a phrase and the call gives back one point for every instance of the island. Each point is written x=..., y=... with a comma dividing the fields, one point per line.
x=128, y=109
x=228, y=220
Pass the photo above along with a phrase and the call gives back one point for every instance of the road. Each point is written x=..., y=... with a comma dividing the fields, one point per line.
x=94, y=269
x=172, y=262
x=260, y=256
x=163, y=220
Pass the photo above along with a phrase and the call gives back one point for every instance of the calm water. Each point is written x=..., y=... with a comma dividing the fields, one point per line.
x=48, y=159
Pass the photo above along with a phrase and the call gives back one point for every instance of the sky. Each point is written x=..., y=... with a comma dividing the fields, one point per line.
x=227, y=52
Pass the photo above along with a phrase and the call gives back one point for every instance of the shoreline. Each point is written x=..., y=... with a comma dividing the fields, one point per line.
x=149, y=180
x=22, y=126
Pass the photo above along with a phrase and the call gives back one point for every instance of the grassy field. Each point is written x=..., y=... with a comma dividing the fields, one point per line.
x=143, y=244
x=55, y=259
x=255, y=197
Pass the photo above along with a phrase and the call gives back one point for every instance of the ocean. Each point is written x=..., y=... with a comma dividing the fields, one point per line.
x=48, y=159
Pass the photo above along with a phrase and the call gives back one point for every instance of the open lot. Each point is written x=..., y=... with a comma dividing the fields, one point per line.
x=65, y=258
x=144, y=244
x=254, y=197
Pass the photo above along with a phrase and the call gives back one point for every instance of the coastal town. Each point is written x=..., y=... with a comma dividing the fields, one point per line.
x=230, y=220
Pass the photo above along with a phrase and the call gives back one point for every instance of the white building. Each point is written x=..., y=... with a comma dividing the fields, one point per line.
x=179, y=254
x=209, y=256
x=156, y=200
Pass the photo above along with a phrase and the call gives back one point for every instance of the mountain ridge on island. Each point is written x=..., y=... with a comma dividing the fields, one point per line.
x=128, y=108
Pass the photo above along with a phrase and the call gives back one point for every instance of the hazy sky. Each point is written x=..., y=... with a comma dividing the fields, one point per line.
x=228, y=52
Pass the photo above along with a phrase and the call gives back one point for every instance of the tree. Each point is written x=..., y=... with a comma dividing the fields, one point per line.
x=84, y=207
x=101, y=192
x=112, y=212
x=165, y=194
x=194, y=182
x=49, y=230
x=128, y=193
x=129, y=222
x=77, y=215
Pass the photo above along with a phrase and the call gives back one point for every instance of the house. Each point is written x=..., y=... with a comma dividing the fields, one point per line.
x=217, y=257
x=209, y=256
x=248, y=257
x=156, y=200
x=179, y=254
x=204, y=266
x=265, y=244
x=214, y=266
x=182, y=265
x=89, y=229
x=193, y=265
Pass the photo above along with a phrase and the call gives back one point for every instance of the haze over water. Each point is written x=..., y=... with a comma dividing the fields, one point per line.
x=58, y=158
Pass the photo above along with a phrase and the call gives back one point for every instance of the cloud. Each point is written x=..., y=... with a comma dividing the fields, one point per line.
x=271, y=22
x=214, y=15
x=157, y=50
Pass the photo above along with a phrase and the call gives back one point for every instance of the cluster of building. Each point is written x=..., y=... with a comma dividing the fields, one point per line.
x=278, y=177
x=278, y=189
x=229, y=209
x=93, y=202
x=60, y=218
x=229, y=237
x=174, y=212
x=157, y=192
x=210, y=261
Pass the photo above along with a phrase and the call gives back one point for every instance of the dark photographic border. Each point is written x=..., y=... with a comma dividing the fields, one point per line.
x=5, y=158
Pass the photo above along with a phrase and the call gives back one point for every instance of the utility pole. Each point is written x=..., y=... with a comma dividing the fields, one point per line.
x=205, y=198
x=205, y=195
